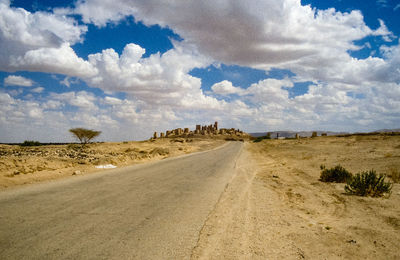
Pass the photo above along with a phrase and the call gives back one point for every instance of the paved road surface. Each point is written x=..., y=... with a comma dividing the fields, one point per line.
x=149, y=211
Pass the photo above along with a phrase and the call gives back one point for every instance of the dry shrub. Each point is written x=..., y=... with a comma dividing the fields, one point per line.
x=30, y=143
x=368, y=184
x=335, y=174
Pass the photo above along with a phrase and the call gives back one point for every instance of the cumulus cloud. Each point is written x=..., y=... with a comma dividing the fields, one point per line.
x=159, y=80
x=259, y=34
x=61, y=60
x=40, y=41
x=82, y=99
x=106, y=11
x=264, y=105
x=13, y=80
x=339, y=107
x=225, y=87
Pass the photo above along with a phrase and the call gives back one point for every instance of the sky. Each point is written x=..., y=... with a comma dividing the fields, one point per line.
x=129, y=68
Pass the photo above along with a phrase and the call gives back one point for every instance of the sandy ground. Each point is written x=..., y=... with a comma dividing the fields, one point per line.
x=275, y=207
x=24, y=165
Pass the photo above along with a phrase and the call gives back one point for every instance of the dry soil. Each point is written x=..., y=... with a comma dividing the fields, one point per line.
x=276, y=208
x=24, y=165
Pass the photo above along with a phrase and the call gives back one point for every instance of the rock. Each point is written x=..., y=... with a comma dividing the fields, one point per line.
x=77, y=173
x=107, y=166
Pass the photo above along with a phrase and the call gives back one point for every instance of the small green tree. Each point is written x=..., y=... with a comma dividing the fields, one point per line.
x=84, y=135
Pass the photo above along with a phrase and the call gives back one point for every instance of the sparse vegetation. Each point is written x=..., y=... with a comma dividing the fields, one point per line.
x=260, y=138
x=30, y=143
x=84, y=135
x=335, y=174
x=368, y=183
x=314, y=134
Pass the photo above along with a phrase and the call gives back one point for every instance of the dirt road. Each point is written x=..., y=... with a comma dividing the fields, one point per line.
x=151, y=211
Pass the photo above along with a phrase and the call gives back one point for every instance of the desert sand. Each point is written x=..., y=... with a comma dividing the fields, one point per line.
x=275, y=207
x=25, y=165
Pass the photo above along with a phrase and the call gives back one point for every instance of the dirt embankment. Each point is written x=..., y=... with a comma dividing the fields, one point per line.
x=275, y=207
x=22, y=165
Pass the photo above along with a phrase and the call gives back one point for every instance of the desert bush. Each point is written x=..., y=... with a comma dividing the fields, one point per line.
x=368, y=183
x=260, y=138
x=30, y=143
x=335, y=174
x=314, y=134
x=84, y=135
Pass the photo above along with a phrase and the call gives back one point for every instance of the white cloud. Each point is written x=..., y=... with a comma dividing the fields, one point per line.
x=13, y=80
x=61, y=60
x=159, y=80
x=270, y=95
x=313, y=44
x=38, y=90
x=106, y=11
x=383, y=31
x=68, y=81
x=260, y=34
x=263, y=106
x=82, y=99
x=52, y=104
x=225, y=87
x=396, y=7
x=112, y=101
x=40, y=41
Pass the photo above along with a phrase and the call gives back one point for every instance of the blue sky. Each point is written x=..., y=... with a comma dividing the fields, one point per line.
x=129, y=68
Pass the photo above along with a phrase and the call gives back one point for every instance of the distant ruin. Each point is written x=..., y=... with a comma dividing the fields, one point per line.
x=205, y=130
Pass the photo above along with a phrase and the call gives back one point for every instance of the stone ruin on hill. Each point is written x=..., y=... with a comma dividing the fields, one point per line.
x=206, y=130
